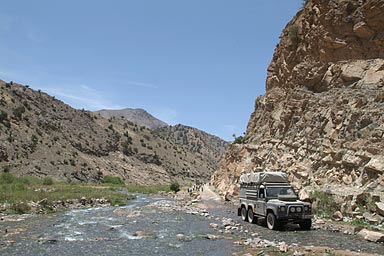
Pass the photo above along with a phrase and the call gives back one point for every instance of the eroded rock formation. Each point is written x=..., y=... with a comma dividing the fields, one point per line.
x=322, y=117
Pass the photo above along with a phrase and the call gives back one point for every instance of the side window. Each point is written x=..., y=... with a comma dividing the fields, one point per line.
x=261, y=193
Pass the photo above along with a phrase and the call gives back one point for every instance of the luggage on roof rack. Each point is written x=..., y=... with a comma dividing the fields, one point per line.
x=261, y=177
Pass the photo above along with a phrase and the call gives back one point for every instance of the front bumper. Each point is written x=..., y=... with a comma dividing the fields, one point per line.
x=292, y=217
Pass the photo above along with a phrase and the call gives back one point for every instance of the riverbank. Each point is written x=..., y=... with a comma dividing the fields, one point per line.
x=206, y=202
x=168, y=224
x=31, y=195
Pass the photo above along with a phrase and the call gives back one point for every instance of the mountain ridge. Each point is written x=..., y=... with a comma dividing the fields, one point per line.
x=42, y=136
x=136, y=115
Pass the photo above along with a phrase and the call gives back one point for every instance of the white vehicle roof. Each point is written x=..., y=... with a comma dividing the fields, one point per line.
x=261, y=177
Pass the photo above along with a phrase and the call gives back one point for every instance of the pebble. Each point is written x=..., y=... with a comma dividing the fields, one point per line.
x=229, y=226
x=212, y=237
x=213, y=225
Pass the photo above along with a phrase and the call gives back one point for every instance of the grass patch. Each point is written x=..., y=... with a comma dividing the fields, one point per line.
x=113, y=180
x=356, y=222
x=324, y=204
x=17, y=191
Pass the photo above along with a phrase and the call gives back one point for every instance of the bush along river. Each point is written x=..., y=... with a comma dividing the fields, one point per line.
x=151, y=225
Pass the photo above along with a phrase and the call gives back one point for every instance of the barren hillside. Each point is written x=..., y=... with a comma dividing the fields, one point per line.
x=42, y=136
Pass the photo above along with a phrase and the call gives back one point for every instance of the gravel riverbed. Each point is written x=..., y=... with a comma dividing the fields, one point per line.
x=160, y=226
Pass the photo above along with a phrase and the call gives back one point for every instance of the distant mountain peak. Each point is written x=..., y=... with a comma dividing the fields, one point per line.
x=135, y=115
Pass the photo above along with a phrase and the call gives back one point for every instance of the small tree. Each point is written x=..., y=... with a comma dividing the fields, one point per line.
x=18, y=112
x=239, y=140
x=175, y=186
x=47, y=181
x=293, y=34
x=3, y=116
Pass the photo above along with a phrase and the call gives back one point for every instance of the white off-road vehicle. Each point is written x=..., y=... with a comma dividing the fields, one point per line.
x=269, y=195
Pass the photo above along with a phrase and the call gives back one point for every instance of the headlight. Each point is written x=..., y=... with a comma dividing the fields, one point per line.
x=298, y=209
x=292, y=209
x=306, y=208
x=282, y=208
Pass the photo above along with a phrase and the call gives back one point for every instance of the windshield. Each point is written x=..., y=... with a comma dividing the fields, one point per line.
x=276, y=191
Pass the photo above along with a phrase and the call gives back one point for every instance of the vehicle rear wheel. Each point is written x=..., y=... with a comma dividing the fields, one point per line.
x=271, y=221
x=306, y=224
x=244, y=215
x=251, y=216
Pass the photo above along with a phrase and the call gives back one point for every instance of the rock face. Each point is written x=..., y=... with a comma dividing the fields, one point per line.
x=41, y=136
x=321, y=119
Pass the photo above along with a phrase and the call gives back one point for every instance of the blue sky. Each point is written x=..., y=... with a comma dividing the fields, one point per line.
x=200, y=63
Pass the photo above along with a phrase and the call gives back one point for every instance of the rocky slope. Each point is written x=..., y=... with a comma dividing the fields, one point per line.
x=138, y=116
x=42, y=136
x=195, y=140
x=321, y=119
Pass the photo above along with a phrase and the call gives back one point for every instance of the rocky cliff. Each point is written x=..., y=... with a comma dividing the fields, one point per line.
x=322, y=117
x=42, y=136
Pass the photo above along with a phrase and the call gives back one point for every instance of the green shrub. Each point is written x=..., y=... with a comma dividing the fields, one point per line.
x=324, y=204
x=175, y=186
x=3, y=116
x=18, y=112
x=117, y=202
x=47, y=181
x=113, y=180
x=7, y=178
x=239, y=140
x=6, y=169
x=72, y=161
x=293, y=33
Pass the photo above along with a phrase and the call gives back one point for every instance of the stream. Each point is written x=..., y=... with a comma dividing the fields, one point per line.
x=128, y=230
x=140, y=228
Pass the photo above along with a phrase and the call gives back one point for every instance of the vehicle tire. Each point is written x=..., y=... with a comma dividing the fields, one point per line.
x=251, y=216
x=272, y=221
x=306, y=224
x=244, y=215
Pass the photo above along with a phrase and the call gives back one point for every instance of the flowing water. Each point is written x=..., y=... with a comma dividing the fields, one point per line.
x=139, y=229
x=129, y=230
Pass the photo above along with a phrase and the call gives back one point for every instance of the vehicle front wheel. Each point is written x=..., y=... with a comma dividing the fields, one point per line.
x=272, y=221
x=251, y=216
x=244, y=216
x=306, y=224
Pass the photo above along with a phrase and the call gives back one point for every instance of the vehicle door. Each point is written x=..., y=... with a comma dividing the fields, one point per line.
x=261, y=203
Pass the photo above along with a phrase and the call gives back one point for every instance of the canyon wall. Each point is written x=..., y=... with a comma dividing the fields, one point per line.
x=322, y=118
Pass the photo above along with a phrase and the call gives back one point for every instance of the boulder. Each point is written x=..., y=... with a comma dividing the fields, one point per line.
x=283, y=247
x=305, y=196
x=375, y=164
x=212, y=237
x=213, y=225
x=371, y=236
x=43, y=202
x=337, y=216
x=362, y=30
x=372, y=218
x=380, y=208
x=353, y=71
